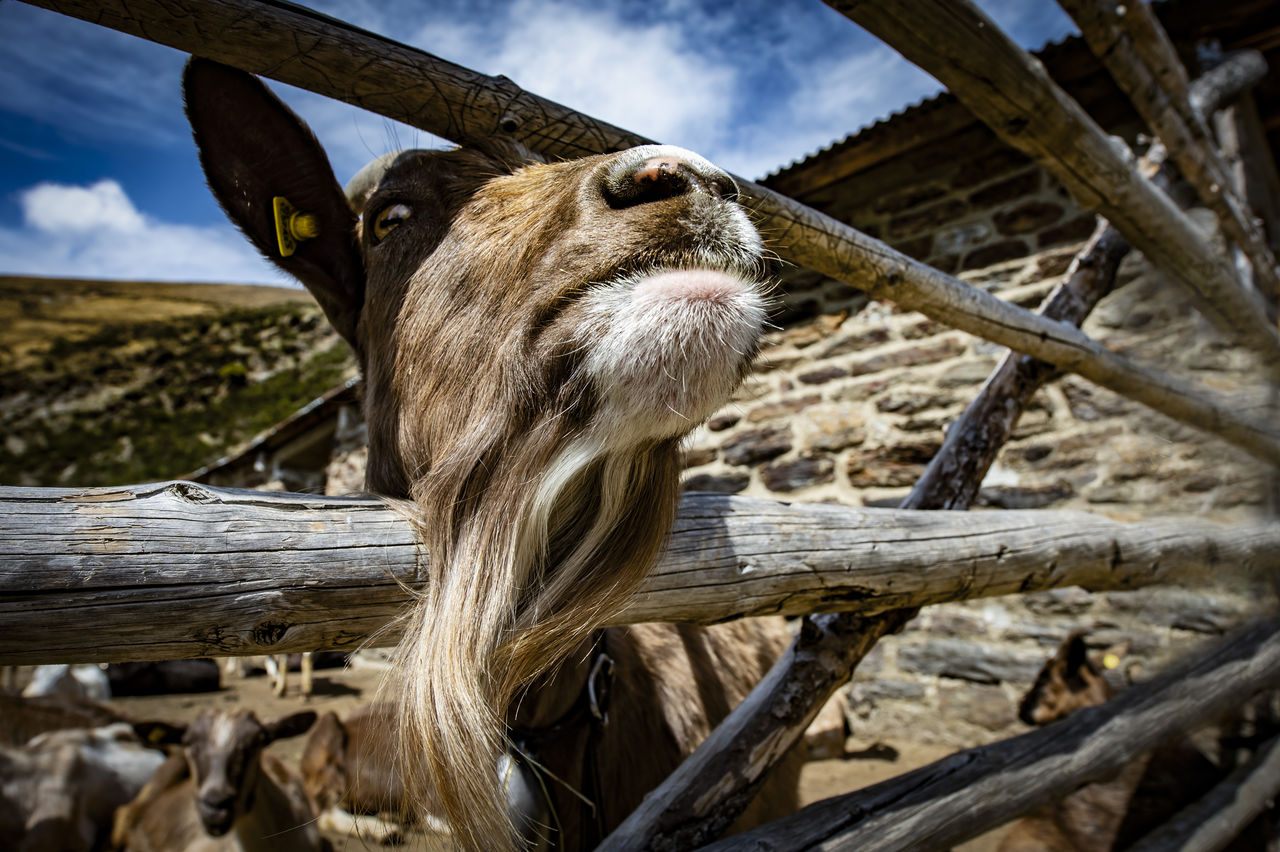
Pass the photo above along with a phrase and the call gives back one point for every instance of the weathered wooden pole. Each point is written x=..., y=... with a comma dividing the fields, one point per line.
x=1217, y=818
x=177, y=569
x=1135, y=49
x=973, y=791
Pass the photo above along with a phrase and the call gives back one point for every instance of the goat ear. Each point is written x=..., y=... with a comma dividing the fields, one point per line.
x=330, y=727
x=290, y=726
x=1076, y=654
x=254, y=149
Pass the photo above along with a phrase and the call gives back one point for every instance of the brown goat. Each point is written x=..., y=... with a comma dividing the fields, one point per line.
x=224, y=792
x=536, y=339
x=350, y=774
x=1115, y=813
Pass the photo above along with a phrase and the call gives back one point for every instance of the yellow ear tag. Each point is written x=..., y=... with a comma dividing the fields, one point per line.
x=1110, y=661
x=292, y=226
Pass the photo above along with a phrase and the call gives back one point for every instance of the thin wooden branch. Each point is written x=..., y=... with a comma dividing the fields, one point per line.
x=306, y=49
x=1217, y=818
x=177, y=569
x=976, y=790
x=1011, y=92
x=1132, y=45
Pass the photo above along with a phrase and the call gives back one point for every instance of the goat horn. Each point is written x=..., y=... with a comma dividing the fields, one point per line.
x=366, y=180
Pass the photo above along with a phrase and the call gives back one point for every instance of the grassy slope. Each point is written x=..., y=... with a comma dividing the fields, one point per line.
x=106, y=383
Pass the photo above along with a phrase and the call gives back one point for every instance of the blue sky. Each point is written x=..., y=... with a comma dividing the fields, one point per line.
x=98, y=176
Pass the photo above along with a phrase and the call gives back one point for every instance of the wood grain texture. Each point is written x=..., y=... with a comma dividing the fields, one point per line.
x=303, y=48
x=973, y=791
x=171, y=570
x=1010, y=91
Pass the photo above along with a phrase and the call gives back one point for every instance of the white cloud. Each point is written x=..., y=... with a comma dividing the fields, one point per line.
x=637, y=72
x=96, y=232
x=57, y=208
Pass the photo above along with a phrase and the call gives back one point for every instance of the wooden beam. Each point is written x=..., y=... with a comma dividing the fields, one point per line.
x=1009, y=90
x=1134, y=47
x=177, y=569
x=1253, y=170
x=977, y=789
x=306, y=49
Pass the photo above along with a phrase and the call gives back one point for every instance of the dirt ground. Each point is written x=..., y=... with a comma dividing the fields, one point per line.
x=342, y=690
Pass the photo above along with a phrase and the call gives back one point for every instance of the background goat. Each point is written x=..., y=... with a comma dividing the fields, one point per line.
x=1115, y=813
x=535, y=339
x=350, y=774
x=224, y=792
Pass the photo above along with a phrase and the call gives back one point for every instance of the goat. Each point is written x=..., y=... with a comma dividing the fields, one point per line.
x=1115, y=813
x=536, y=340
x=224, y=792
x=277, y=667
x=349, y=773
x=59, y=790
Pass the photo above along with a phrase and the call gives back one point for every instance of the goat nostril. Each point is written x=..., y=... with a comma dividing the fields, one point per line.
x=630, y=183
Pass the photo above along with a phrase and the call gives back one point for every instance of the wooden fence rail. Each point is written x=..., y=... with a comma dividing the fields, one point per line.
x=184, y=570
x=303, y=48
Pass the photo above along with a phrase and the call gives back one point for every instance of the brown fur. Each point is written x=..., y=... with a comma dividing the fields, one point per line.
x=349, y=763
x=532, y=433
x=673, y=684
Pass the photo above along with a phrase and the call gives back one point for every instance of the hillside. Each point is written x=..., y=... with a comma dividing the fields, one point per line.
x=106, y=383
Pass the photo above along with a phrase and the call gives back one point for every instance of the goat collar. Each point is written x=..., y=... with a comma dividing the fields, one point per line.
x=589, y=710
x=591, y=705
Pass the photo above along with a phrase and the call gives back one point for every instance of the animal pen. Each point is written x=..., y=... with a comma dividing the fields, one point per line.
x=98, y=574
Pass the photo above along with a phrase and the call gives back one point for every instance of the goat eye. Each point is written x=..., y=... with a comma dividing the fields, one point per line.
x=388, y=219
